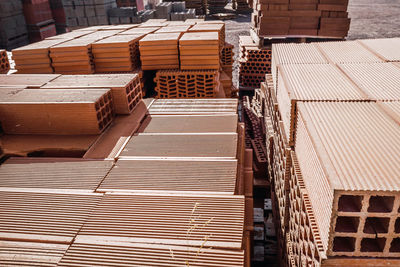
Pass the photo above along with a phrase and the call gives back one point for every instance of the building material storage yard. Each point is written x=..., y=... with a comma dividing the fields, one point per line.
x=263, y=140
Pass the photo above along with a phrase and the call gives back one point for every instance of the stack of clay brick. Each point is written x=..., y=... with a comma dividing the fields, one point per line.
x=254, y=63
x=118, y=53
x=4, y=62
x=39, y=19
x=199, y=53
x=159, y=51
x=102, y=207
x=66, y=104
x=227, y=58
x=216, y=6
x=332, y=122
x=324, y=18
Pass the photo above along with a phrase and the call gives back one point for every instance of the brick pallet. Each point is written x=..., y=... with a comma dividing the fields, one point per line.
x=65, y=112
x=117, y=53
x=187, y=84
x=303, y=122
x=199, y=50
x=324, y=18
x=125, y=88
x=4, y=62
x=159, y=51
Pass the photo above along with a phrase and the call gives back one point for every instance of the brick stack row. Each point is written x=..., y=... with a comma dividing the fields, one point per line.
x=39, y=19
x=332, y=114
x=13, y=30
x=324, y=18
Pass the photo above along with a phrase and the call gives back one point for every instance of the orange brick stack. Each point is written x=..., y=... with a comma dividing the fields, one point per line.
x=187, y=84
x=119, y=53
x=73, y=57
x=325, y=18
x=211, y=27
x=65, y=112
x=4, y=63
x=159, y=51
x=125, y=88
x=35, y=58
x=199, y=50
x=254, y=63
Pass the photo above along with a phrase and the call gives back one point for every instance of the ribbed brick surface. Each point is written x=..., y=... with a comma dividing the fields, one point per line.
x=188, y=145
x=171, y=176
x=189, y=124
x=191, y=106
x=131, y=254
x=44, y=217
x=387, y=49
x=212, y=221
x=44, y=174
x=30, y=253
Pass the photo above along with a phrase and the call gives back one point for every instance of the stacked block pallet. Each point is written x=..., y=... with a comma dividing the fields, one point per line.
x=39, y=19
x=324, y=18
x=4, y=62
x=13, y=30
x=70, y=14
x=324, y=227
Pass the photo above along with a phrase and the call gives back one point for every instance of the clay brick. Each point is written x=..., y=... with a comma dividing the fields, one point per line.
x=126, y=89
x=4, y=62
x=63, y=112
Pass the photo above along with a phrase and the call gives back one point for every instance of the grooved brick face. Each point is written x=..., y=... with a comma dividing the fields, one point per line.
x=123, y=218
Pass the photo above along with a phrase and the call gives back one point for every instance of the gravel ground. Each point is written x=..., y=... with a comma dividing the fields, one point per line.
x=369, y=19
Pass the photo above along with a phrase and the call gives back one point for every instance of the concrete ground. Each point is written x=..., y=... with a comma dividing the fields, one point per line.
x=369, y=19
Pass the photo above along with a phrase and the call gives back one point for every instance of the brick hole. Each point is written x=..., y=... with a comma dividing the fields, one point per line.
x=397, y=226
x=344, y=244
x=97, y=106
x=347, y=224
x=375, y=225
x=350, y=203
x=373, y=244
x=380, y=204
x=101, y=126
x=395, y=245
x=98, y=115
x=101, y=102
